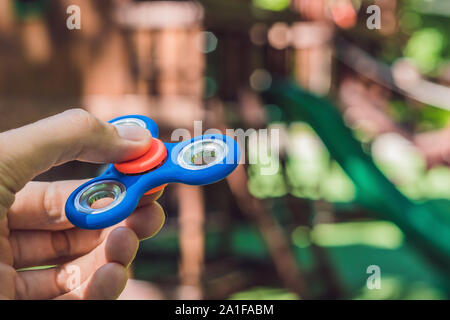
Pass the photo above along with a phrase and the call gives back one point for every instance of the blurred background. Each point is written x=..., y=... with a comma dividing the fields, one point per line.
x=363, y=116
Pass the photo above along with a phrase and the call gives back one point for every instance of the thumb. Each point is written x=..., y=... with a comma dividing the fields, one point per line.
x=72, y=135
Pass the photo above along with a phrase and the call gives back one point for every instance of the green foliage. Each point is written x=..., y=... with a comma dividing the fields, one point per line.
x=410, y=21
x=394, y=288
x=436, y=184
x=431, y=118
x=425, y=48
x=419, y=119
x=265, y=186
x=380, y=234
x=264, y=293
x=272, y=5
x=30, y=9
x=336, y=186
x=404, y=273
x=310, y=173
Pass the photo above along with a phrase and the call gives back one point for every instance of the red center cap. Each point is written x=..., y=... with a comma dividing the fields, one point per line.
x=150, y=160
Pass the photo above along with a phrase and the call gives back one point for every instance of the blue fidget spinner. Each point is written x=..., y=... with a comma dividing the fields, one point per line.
x=201, y=160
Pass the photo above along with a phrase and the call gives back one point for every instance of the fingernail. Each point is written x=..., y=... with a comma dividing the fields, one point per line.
x=132, y=133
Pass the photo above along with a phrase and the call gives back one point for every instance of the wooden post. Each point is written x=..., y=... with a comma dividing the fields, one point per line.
x=6, y=16
x=167, y=64
x=313, y=55
x=192, y=241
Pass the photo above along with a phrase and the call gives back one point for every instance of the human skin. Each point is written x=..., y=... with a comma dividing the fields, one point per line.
x=34, y=230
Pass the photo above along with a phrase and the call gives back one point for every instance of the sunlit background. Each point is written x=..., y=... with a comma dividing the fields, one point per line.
x=364, y=125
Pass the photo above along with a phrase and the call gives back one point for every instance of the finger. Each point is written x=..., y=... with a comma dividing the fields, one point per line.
x=149, y=198
x=40, y=205
x=107, y=283
x=34, y=248
x=38, y=248
x=71, y=135
x=7, y=275
x=147, y=221
x=119, y=247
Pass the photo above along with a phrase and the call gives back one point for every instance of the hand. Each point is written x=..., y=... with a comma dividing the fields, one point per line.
x=34, y=230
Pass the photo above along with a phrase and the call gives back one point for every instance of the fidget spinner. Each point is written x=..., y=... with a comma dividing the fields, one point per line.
x=201, y=160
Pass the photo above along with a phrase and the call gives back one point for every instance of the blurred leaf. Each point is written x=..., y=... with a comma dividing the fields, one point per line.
x=397, y=288
x=336, y=186
x=436, y=184
x=272, y=5
x=432, y=118
x=263, y=293
x=381, y=234
x=425, y=48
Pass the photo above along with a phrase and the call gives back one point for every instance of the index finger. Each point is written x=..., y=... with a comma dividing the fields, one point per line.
x=40, y=205
x=71, y=135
